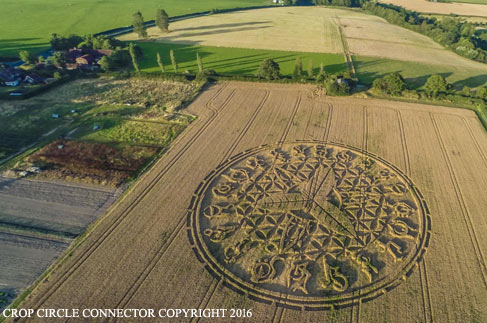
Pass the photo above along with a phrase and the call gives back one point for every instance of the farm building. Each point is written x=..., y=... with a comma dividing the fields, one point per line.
x=33, y=79
x=86, y=59
x=10, y=76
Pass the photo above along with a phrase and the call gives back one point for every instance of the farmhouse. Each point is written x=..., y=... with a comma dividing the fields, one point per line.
x=85, y=58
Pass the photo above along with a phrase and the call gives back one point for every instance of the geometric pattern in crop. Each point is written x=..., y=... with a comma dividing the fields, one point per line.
x=309, y=225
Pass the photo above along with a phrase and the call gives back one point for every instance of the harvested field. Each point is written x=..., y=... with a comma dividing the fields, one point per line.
x=288, y=238
x=275, y=29
x=37, y=222
x=261, y=29
x=462, y=9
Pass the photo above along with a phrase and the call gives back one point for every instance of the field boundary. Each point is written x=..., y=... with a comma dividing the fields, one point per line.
x=346, y=49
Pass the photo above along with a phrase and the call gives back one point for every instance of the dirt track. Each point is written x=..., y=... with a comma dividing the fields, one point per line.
x=139, y=256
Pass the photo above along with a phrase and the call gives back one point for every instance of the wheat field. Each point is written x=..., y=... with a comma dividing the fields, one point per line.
x=237, y=214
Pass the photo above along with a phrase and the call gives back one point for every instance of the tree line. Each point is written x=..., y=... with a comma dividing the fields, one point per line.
x=436, y=86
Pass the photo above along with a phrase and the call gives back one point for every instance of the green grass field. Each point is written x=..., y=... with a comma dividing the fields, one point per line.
x=238, y=61
x=29, y=23
x=116, y=126
x=416, y=74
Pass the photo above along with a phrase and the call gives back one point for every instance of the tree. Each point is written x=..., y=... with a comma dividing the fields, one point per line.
x=298, y=67
x=58, y=59
x=435, y=85
x=173, y=61
x=310, y=68
x=391, y=84
x=322, y=74
x=160, y=63
x=200, y=63
x=482, y=92
x=59, y=43
x=133, y=55
x=337, y=85
x=106, y=63
x=467, y=91
x=27, y=57
x=121, y=58
x=162, y=20
x=139, y=26
x=269, y=70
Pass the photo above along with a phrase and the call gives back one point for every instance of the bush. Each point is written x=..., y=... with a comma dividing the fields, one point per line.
x=269, y=70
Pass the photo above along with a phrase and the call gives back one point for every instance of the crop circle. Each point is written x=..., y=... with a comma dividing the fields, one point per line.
x=309, y=225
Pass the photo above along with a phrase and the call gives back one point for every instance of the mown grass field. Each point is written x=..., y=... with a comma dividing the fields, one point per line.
x=416, y=74
x=240, y=61
x=28, y=24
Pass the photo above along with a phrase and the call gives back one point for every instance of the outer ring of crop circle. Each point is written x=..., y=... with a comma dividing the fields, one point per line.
x=252, y=291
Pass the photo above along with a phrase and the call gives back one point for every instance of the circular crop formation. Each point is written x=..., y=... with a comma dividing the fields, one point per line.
x=309, y=225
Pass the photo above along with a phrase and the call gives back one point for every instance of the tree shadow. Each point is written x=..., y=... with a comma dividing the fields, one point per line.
x=223, y=26
x=412, y=82
x=9, y=48
x=214, y=32
x=420, y=81
x=473, y=81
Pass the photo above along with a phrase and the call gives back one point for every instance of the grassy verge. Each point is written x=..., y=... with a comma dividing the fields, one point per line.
x=236, y=61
